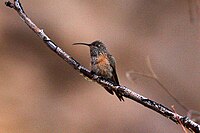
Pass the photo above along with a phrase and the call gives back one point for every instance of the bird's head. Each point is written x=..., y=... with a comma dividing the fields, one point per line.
x=96, y=47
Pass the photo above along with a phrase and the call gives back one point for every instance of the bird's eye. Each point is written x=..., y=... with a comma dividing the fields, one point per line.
x=98, y=45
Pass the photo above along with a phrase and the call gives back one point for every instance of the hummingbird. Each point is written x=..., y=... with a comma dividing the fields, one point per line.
x=103, y=64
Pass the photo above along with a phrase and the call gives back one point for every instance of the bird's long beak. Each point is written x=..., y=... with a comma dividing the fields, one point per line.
x=80, y=43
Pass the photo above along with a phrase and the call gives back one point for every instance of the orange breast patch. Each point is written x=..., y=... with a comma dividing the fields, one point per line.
x=102, y=60
x=103, y=65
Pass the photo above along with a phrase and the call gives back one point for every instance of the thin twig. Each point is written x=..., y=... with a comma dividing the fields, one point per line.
x=155, y=77
x=148, y=61
x=179, y=120
x=126, y=92
x=160, y=84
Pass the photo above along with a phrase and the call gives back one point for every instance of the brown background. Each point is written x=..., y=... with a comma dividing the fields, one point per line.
x=40, y=93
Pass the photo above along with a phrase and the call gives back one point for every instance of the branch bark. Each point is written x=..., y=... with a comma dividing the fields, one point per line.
x=126, y=92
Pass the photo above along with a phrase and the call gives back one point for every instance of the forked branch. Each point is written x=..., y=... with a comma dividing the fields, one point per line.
x=126, y=92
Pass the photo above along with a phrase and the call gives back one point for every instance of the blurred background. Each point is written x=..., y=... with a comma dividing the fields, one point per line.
x=39, y=92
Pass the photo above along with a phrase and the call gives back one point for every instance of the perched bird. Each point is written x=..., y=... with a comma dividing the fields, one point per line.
x=103, y=64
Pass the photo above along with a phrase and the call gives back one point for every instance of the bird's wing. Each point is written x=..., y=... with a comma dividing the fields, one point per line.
x=112, y=64
x=115, y=77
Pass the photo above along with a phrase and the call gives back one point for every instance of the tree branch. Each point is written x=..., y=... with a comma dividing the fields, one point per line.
x=126, y=92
